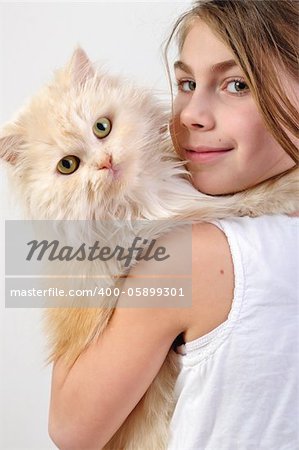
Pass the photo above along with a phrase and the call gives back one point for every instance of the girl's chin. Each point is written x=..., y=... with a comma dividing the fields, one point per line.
x=214, y=189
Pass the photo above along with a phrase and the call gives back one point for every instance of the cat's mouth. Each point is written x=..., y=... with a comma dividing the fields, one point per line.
x=115, y=172
x=110, y=174
x=108, y=167
x=107, y=164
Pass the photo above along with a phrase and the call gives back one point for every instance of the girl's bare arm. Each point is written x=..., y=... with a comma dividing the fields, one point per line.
x=91, y=401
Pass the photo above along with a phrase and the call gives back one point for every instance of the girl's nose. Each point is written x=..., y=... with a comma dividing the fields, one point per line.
x=197, y=113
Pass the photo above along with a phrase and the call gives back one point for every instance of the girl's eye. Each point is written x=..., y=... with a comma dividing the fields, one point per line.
x=186, y=85
x=102, y=127
x=69, y=164
x=237, y=87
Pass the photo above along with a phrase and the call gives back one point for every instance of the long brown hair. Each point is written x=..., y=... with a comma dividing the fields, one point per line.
x=263, y=36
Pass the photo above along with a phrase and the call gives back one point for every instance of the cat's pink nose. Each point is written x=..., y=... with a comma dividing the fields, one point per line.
x=105, y=163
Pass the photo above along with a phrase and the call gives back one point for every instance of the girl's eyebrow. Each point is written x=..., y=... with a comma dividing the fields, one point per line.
x=219, y=67
x=181, y=65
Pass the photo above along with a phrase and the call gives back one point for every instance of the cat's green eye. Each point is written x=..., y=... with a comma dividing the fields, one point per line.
x=69, y=164
x=102, y=127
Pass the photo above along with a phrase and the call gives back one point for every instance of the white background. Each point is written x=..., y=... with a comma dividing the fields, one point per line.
x=36, y=38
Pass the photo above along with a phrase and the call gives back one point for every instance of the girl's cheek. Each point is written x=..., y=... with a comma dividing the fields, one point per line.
x=173, y=127
x=175, y=131
x=179, y=104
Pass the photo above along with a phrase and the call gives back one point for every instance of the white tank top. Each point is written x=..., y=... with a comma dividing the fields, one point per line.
x=238, y=385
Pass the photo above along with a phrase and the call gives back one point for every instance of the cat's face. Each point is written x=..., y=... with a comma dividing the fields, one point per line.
x=83, y=144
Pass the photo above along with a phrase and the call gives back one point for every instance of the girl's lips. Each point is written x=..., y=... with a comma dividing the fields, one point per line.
x=205, y=156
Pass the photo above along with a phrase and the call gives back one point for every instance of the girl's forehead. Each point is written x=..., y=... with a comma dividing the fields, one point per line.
x=202, y=47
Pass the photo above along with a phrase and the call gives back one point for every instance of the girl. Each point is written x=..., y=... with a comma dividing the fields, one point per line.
x=234, y=121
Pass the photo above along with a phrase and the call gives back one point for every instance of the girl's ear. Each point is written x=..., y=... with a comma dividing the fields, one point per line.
x=9, y=146
x=80, y=67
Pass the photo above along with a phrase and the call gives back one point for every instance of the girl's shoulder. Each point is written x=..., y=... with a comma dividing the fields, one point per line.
x=193, y=284
x=227, y=252
x=212, y=280
x=200, y=265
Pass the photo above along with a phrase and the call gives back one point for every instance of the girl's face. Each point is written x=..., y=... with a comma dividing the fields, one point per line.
x=217, y=126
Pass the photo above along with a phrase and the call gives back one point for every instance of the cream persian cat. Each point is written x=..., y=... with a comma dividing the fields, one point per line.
x=92, y=146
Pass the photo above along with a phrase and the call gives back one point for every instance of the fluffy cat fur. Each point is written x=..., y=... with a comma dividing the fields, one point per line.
x=148, y=182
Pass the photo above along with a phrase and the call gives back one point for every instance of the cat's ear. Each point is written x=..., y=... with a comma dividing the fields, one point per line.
x=9, y=146
x=80, y=67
